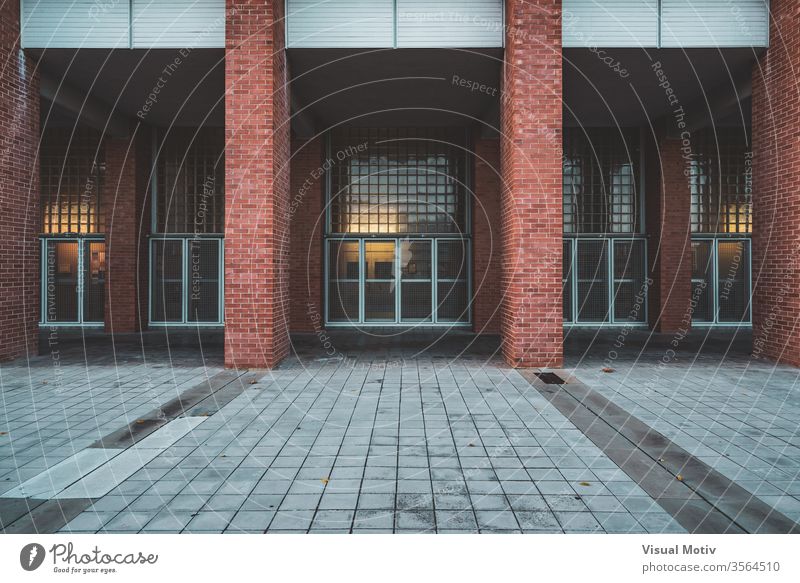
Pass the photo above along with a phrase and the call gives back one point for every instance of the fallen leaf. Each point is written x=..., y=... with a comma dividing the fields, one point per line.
x=254, y=382
x=584, y=483
x=324, y=480
x=607, y=369
x=470, y=445
x=3, y=432
x=679, y=477
x=139, y=421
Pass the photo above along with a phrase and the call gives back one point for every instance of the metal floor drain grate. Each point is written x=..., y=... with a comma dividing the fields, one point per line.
x=549, y=378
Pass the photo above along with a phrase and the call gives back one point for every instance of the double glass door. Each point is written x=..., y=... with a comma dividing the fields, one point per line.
x=73, y=276
x=393, y=281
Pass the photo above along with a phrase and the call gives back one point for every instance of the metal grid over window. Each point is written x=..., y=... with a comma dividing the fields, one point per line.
x=604, y=280
x=190, y=181
x=721, y=182
x=397, y=181
x=71, y=172
x=398, y=281
x=186, y=281
x=73, y=280
x=600, y=181
x=721, y=287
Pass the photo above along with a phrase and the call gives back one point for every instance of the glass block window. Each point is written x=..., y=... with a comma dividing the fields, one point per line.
x=601, y=181
x=721, y=182
x=396, y=181
x=190, y=171
x=71, y=172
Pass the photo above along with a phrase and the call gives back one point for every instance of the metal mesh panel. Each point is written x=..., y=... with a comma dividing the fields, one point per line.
x=398, y=181
x=415, y=271
x=566, y=280
x=592, y=274
x=203, y=284
x=71, y=164
x=62, y=281
x=734, y=286
x=721, y=182
x=167, y=289
x=191, y=181
x=343, y=281
x=452, y=281
x=600, y=181
x=629, y=293
x=380, y=283
x=452, y=301
x=702, y=281
x=94, y=267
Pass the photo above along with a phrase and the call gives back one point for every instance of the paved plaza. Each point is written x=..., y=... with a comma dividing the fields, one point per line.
x=360, y=434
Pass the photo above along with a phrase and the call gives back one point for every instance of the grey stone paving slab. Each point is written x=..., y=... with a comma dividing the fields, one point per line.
x=442, y=440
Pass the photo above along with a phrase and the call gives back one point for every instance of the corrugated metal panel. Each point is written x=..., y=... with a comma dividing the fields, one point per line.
x=75, y=24
x=178, y=23
x=714, y=23
x=610, y=23
x=462, y=23
x=340, y=23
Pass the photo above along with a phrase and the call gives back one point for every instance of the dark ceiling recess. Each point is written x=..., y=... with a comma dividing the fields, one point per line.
x=620, y=87
x=191, y=94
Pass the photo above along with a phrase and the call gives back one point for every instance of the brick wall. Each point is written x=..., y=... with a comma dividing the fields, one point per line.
x=531, y=316
x=486, y=237
x=667, y=210
x=124, y=213
x=256, y=185
x=307, y=229
x=776, y=198
x=20, y=220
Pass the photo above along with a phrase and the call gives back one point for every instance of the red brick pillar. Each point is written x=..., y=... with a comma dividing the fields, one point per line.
x=307, y=212
x=486, y=237
x=667, y=211
x=531, y=317
x=122, y=235
x=20, y=220
x=776, y=198
x=256, y=185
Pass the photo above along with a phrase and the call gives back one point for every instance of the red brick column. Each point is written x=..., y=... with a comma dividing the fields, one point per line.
x=532, y=319
x=122, y=235
x=486, y=237
x=667, y=211
x=307, y=227
x=256, y=185
x=776, y=198
x=20, y=220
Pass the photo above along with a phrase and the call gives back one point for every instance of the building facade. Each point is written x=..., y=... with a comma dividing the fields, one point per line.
x=518, y=168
